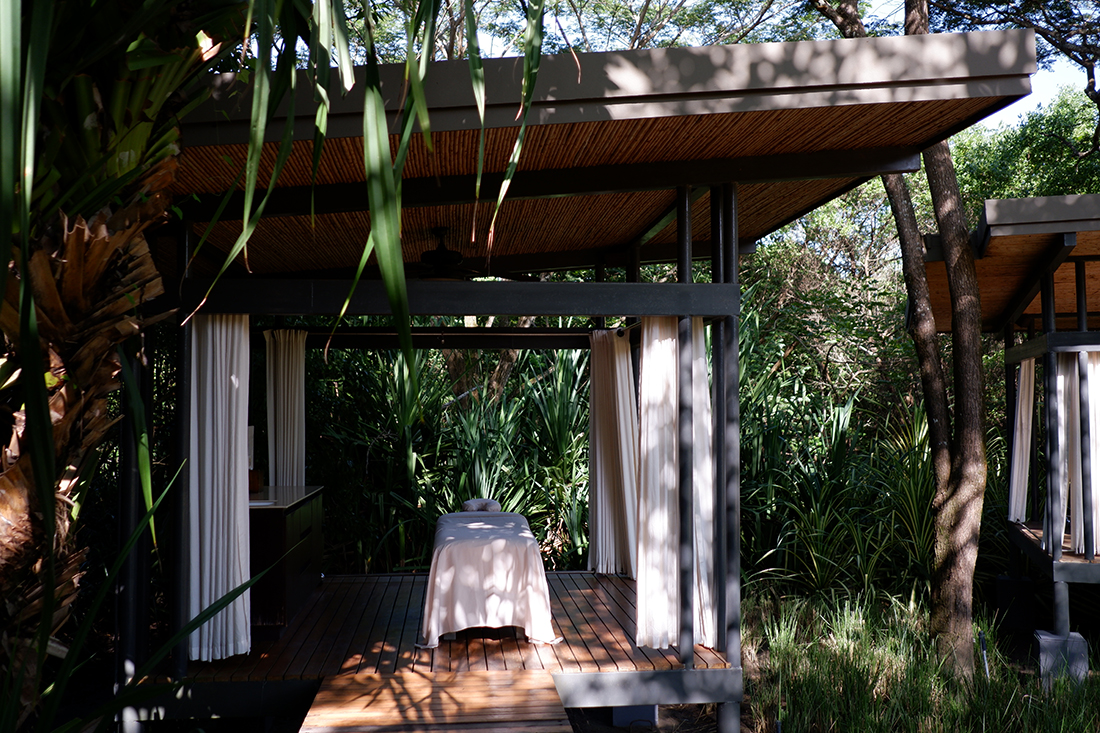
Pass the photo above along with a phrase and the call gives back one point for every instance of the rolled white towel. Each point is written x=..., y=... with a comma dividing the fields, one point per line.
x=480, y=505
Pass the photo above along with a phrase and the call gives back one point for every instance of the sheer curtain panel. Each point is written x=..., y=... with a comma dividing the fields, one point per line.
x=219, y=484
x=658, y=508
x=613, y=455
x=1021, y=442
x=286, y=407
x=1070, y=430
x=1094, y=443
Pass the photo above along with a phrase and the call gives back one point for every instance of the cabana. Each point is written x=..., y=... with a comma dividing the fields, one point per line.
x=1038, y=267
x=665, y=155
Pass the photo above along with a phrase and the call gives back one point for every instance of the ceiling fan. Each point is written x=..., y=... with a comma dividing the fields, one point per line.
x=442, y=263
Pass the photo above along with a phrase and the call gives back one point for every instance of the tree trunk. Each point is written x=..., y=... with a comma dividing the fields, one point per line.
x=958, y=462
x=922, y=327
x=958, y=505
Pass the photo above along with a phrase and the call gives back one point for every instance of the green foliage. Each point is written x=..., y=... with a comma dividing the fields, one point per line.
x=1036, y=158
x=868, y=664
x=393, y=461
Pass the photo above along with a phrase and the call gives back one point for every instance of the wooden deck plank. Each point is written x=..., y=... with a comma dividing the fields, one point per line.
x=488, y=701
x=617, y=595
x=598, y=631
x=510, y=652
x=606, y=627
x=362, y=642
x=583, y=642
x=476, y=650
x=609, y=597
x=343, y=654
x=494, y=651
x=328, y=631
x=625, y=590
x=387, y=656
x=376, y=639
x=339, y=655
x=441, y=657
x=407, y=651
x=361, y=624
x=560, y=655
x=275, y=664
x=300, y=668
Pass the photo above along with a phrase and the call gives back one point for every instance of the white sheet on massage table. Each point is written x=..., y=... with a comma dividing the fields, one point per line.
x=486, y=571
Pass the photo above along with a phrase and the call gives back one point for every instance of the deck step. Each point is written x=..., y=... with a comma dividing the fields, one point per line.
x=519, y=701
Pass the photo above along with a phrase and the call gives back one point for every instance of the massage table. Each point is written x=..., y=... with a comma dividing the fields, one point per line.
x=486, y=572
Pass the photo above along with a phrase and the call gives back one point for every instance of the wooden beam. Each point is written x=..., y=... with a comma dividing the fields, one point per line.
x=1054, y=258
x=454, y=190
x=659, y=224
x=316, y=297
x=1058, y=341
x=452, y=338
x=1065, y=571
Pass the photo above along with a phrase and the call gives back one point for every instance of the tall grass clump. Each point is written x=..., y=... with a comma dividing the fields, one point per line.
x=863, y=663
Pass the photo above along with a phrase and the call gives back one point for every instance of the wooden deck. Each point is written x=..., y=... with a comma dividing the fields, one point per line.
x=1073, y=567
x=369, y=625
x=504, y=701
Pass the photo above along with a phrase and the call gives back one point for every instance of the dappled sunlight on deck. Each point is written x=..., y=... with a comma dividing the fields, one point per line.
x=370, y=625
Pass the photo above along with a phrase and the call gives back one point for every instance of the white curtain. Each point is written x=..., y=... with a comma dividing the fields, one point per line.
x=219, y=483
x=613, y=455
x=658, y=617
x=1074, y=447
x=286, y=407
x=1070, y=425
x=1021, y=442
x=1094, y=444
x=706, y=613
x=1069, y=429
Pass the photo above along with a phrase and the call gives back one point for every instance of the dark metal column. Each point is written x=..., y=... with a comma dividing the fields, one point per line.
x=684, y=452
x=1035, y=481
x=181, y=504
x=1011, y=372
x=131, y=598
x=1061, y=608
x=634, y=275
x=1054, y=522
x=718, y=368
x=729, y=713
x=1087, y=498
x=601, y=276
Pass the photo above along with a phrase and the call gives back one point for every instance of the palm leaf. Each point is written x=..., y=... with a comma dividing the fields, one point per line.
x=477, y=83
x=141, y=439
x=532, y=55
x=384, y=199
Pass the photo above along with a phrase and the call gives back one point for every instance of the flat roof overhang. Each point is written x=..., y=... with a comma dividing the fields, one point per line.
x=1016, y=242
x=611, y=136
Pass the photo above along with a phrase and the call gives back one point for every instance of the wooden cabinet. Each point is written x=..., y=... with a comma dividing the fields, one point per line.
x=285, y=528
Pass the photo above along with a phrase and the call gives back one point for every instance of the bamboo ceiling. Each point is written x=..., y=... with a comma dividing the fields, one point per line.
x=795, y=124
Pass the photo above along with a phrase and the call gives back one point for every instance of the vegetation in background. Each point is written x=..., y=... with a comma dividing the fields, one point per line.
x=865, y=663
x=1029, y=159
x=393, y=462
